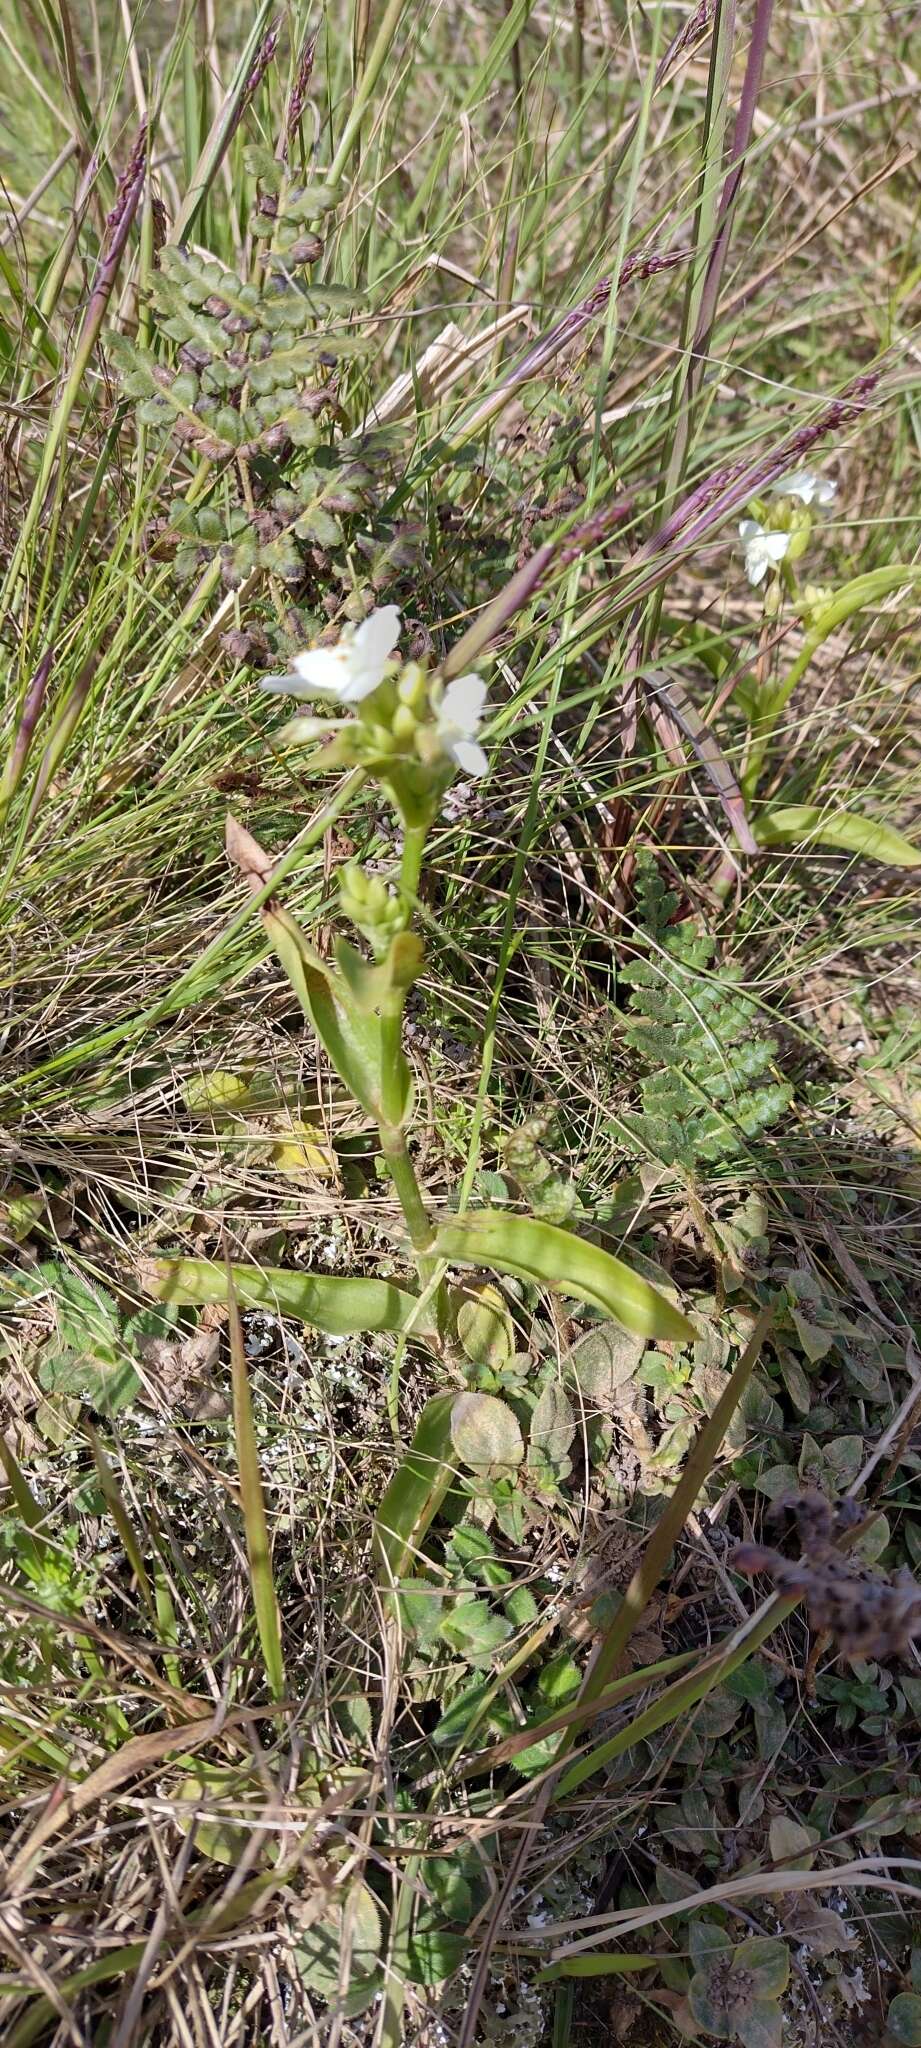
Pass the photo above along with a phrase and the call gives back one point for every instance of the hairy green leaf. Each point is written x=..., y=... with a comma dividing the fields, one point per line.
x=349, y=1924
x=486, y=1435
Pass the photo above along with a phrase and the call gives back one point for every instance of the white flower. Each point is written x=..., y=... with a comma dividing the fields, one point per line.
x=458, y=722
x=762, y=549
x=350, y=671
x=804, y=484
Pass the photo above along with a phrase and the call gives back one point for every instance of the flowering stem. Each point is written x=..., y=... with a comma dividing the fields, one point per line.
x=413, y=849
x=403, y=1174
x=392, y=1021
x=25, y=732
x=392, y=1132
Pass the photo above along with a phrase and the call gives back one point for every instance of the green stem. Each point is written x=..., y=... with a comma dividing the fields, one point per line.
x=377, y=58
x=403, y=1174
x=774, y=697
x=392, y=1067
x=414, y=838
x=392, y=2033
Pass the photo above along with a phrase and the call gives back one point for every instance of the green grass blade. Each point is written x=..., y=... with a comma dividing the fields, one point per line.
x=678, y=1699
x=123, y=1523
x=608, y=1964
x=220, y=135
x=670, y=1524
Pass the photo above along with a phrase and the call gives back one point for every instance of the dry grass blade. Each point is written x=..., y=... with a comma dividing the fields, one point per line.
x=642, y=1585
x=665, y=1535
x=258, y=1548
x=128, y=1762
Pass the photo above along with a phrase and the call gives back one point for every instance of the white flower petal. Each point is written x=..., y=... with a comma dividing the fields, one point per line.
x=762, y=549
x=469, y=757
x=324, y=671
x=288, y=684
x=462, y=706
x=807, y=486
x=349, y=671
x=377, y=637
x=773, y=546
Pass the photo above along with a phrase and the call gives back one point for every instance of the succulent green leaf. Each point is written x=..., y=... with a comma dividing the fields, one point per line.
x=767, y=1961
x=551, y=1257
x=416, y=1490
x=848, y=831
x=706, y=1939
x=485, y=1328
x=607, y=1963
x=709, y=2009
x=325, y=1301
x=351, y=1036
x=762, y=2025
x=903, y=2019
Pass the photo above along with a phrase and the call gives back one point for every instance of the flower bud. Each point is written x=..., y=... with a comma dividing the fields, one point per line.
x=404, y=723
x=428, y=745
x=800, y=534
x=375, y=910
x=412, y=688
x=813, y=600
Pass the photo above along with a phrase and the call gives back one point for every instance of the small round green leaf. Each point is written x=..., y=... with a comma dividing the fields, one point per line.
x=353, y=1920
x=766, y=1962
x=706, y=1939
x=484, y=1327
x=904, y=2019
x=601, y=1362
x=762, y=2025
x=485, y=1435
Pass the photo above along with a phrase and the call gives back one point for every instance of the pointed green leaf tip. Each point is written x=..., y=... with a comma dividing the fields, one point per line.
x=551, y=1257
x=848, y=831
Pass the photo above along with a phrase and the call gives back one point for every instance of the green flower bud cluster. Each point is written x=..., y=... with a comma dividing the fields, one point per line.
x=375, y=910
x=550, y=1193
x=786, y=515
x=813, y=599
x=396, y=719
